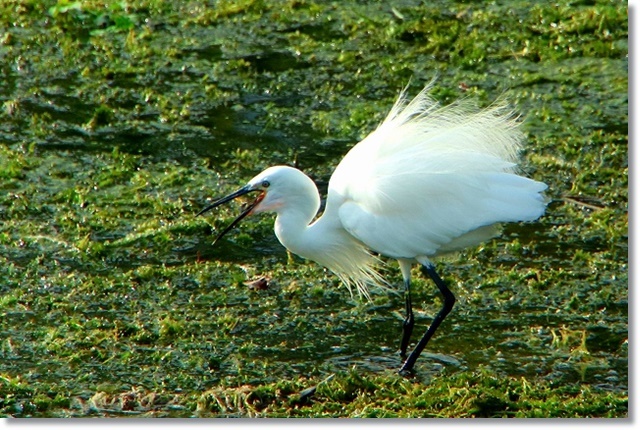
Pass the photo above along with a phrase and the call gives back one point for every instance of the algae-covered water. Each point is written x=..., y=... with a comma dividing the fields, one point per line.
x=121, y=120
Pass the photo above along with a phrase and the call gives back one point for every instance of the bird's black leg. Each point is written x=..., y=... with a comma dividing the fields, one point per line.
x=407, y=325
x=449, y=301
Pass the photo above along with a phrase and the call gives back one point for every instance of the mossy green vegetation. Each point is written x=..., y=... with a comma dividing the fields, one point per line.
x=121, y=119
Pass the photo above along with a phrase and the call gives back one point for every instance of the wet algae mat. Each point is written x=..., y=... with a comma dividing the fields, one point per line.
x=121, y=120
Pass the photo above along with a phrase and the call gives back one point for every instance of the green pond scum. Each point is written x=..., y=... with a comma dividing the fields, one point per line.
x=120, y=120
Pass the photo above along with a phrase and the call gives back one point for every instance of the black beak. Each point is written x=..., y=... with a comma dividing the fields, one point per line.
x=241, y=192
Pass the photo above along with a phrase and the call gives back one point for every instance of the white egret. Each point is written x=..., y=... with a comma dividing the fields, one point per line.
x=429, y=180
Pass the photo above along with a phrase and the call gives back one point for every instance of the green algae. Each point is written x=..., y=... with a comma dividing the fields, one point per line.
x=120, y=120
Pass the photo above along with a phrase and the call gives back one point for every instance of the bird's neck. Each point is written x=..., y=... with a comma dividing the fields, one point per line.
x=326, y=242
x=292, y=229
x=295, y=212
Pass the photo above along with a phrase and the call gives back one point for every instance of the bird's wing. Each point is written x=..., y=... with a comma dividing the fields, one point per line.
x=429, y=175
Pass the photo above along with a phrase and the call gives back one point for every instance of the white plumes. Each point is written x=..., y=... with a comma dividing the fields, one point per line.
x=422, y=138
x=428, y=180
x=356, y=269
x=433, y=179
x=458, y=126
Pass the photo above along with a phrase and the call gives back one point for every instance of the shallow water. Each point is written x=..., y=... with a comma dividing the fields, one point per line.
x=112, y=142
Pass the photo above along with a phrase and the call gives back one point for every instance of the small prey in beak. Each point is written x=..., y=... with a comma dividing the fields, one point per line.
x=242, y=191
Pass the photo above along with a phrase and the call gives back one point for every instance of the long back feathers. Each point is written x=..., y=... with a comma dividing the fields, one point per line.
x=428, y=180
x=430, y=177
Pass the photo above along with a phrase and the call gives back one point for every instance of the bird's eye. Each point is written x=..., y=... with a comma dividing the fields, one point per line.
x=265, y=184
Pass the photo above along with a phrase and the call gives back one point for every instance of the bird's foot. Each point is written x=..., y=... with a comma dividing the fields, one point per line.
x=407, y=367
x=407, y=372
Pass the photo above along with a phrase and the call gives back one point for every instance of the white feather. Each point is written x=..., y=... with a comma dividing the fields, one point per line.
x=429, y=175
x=428, y=180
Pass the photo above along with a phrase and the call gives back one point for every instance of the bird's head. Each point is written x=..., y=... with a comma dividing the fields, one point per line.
x=277, y=188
